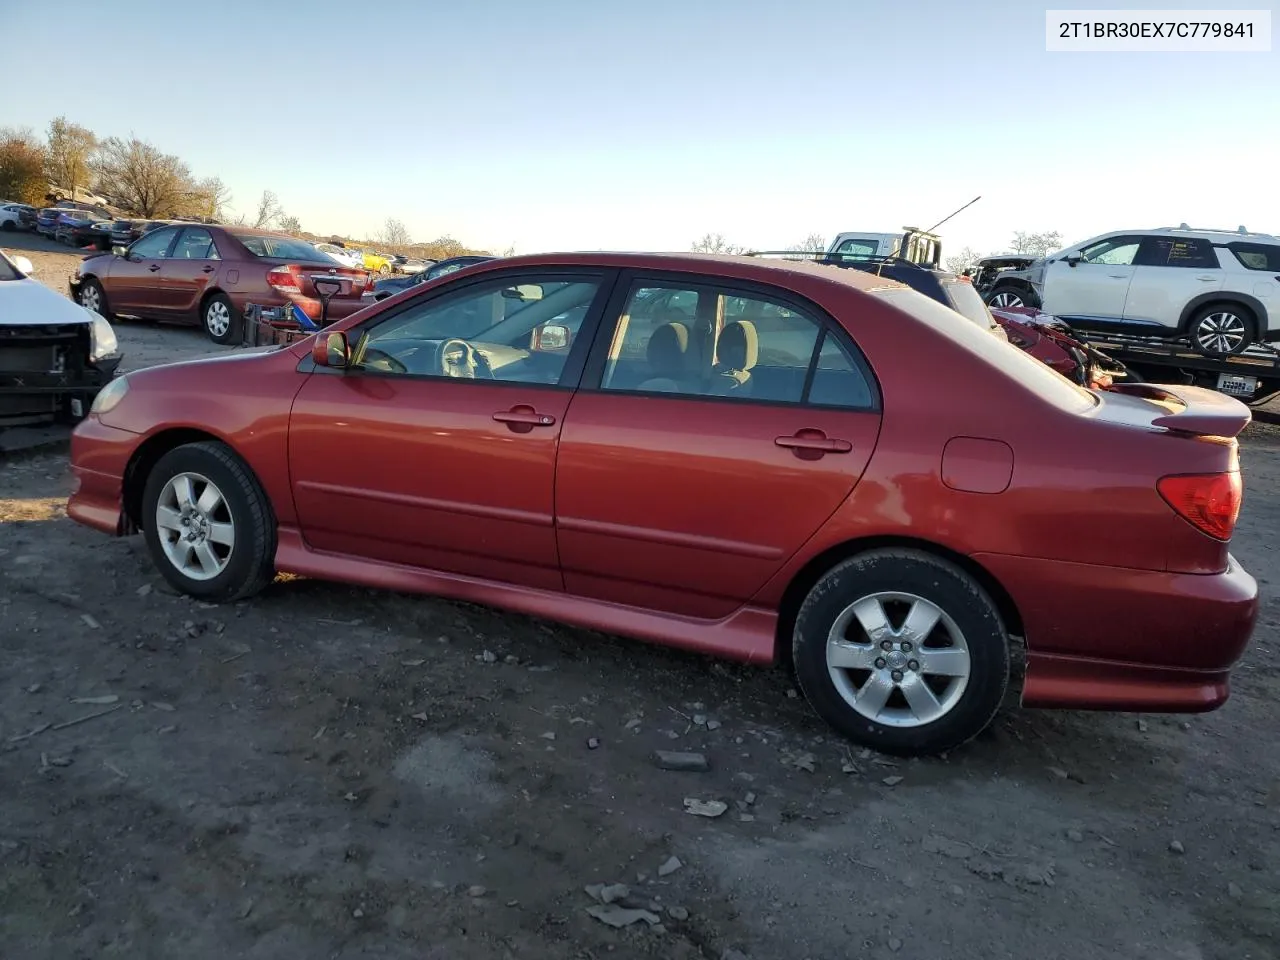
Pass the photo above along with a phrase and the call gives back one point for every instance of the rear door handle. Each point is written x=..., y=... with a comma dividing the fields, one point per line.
x=1118, y=276
x=1207, y=279
x=207, y=269
x=154, y=267
x=811, y=442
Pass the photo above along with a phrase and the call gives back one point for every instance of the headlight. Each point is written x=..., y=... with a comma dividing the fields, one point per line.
x=109, y=397
x=102, y=339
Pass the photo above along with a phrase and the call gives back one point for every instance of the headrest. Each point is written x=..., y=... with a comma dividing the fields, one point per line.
x=668, y=346
x=739, y=345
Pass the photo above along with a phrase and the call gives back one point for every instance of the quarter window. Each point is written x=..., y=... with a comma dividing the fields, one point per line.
x=517, y=329
x=708, y=342
x=154, y=246
x=1257, y=256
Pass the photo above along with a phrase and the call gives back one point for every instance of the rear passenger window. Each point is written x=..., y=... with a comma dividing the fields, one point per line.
x=708, y=342
x=1178, y=252
x=1257, y=256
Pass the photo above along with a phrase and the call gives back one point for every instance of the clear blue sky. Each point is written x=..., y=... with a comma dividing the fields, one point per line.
x=584, y=124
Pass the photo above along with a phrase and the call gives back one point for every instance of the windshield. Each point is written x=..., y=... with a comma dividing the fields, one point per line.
x=858, y=248
x=283, y=248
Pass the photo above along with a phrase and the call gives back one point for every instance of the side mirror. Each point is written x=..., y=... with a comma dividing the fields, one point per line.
x=330, y=350
x=551, y=337
x=24, y=265
x=1073, y=258
x=119, y=250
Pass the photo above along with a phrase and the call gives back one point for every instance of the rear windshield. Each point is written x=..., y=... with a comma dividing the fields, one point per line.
x=1036, y=376
x=965, y=301
x=283, y=248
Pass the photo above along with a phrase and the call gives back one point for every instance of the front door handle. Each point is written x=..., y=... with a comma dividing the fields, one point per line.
x=523, y=418
x=1207, y=279
x=811, y=444
x=154, y=267
x=206, y=269
x=1118, y=276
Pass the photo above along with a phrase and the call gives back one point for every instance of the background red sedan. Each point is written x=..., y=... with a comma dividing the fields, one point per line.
x=206, y=274
x=767, y=460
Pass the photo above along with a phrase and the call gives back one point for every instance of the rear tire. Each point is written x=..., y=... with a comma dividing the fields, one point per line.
x=1222, y=330
x=901, y=651
x=7, y=226
x=223, y=502
x=221, y=321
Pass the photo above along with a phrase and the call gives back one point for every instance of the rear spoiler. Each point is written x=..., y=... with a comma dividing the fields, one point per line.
x=1204, y=413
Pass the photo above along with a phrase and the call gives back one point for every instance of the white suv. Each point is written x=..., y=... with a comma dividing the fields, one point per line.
x=1219, y=289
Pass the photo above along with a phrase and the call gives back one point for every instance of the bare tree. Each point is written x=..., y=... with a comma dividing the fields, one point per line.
x=140, y=178
x=21, y=167
x=209, y=199
x=444, y=247
x=1036, y=244
x=715, y=243
x=813, y=243
x=269, y=210
x=961, y=261
x=68, y=153
x=289, y=224
x=395, y=234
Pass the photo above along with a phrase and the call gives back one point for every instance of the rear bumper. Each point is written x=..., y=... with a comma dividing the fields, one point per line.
x=1113, y=638
x=338, y=309
x=99, y=457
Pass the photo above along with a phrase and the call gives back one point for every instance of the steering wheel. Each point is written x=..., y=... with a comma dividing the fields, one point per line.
x=457, y=358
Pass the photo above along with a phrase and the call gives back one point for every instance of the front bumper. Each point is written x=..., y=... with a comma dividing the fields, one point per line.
x=45, y=373
x=99, y=457
x=1113, y=638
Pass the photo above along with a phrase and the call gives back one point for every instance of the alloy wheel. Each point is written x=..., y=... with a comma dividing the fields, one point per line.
x=195, y=526
x=90, y=299
x=1006, y=299
x=898, y=659
x=1221, y=332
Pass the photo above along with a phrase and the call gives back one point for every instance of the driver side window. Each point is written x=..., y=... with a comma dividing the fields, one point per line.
x=153, y=246
x=512, y=329
x=1114, y=251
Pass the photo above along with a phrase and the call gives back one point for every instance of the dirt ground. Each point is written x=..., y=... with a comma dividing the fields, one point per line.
x=336, y=772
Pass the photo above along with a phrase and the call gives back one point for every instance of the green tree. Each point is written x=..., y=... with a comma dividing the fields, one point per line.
x=22, y=167
x=68, y=154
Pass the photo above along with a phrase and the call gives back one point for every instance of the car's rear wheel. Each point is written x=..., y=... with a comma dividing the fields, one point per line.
x=902, y=651
x=208, y=524
x=1221, y=330
x=93, y=297
x=7, y=226
x=221, y=320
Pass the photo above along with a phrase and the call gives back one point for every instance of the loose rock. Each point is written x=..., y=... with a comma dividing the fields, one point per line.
x=895, y=944
x=891, y=781
x=669, y=866
x=678, y=913
x=713, y=724
x=705, y=808
x=143, y=590
x=1176, y=846
x=593, y=743
x=681, y=761
x=619, y=917
x=477, y=891
x=1075, y=836
x=1234, y=891
x=608, y=892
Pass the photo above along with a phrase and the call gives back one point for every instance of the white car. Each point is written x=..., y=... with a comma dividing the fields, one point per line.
x=11, y=217
x=342, y=255
x=55, y=356
x=1219, y=289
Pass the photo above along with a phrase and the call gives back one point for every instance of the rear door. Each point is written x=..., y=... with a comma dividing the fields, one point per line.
x=1170, y=272
x=189, y=270
x=692, y=467
x=134, y=286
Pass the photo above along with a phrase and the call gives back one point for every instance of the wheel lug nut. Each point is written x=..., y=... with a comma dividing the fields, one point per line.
x=886, y=645
x=897, y=676
x=914, y=665
x=880, y=663
x=906, y=647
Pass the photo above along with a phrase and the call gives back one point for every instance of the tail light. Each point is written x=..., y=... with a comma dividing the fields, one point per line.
x=284, y=279
x=1210, y=502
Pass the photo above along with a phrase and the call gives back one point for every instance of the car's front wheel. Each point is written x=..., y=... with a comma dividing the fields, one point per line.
x=93, y=297
x=1011, y=297
x=208, y=523
x=221, y=320
x=384, y=269
x=1221, y=330
x=902, y=651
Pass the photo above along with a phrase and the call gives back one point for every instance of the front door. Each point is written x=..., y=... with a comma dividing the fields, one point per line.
x=189, y=270
x=692, y=467
x=134, y=286
x=1095, y=287
x=437, y=447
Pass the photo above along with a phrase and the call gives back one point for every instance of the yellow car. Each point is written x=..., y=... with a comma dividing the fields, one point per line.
x=375, y=262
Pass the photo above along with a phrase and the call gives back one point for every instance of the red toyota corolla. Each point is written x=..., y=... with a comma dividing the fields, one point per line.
x=207, y=274
x=766, y=460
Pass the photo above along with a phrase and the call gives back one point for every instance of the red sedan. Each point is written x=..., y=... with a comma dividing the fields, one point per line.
x=766, y=460
x=206, y=274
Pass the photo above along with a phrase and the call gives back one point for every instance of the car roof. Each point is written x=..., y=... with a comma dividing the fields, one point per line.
x=739, y=267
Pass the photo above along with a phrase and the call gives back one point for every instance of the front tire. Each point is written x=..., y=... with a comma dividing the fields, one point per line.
x=93, y=297
x=221, y=321
x=1222, y=330
x=1008, y=296
x=208, y=523
x=384, y=269
x=902, y=651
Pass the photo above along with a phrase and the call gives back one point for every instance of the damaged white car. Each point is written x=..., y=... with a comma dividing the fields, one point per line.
x=54, y=354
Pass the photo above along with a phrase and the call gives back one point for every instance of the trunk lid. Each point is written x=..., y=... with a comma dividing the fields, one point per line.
x=304, y=271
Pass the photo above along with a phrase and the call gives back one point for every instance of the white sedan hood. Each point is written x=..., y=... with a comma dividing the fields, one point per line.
x=29, y=303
